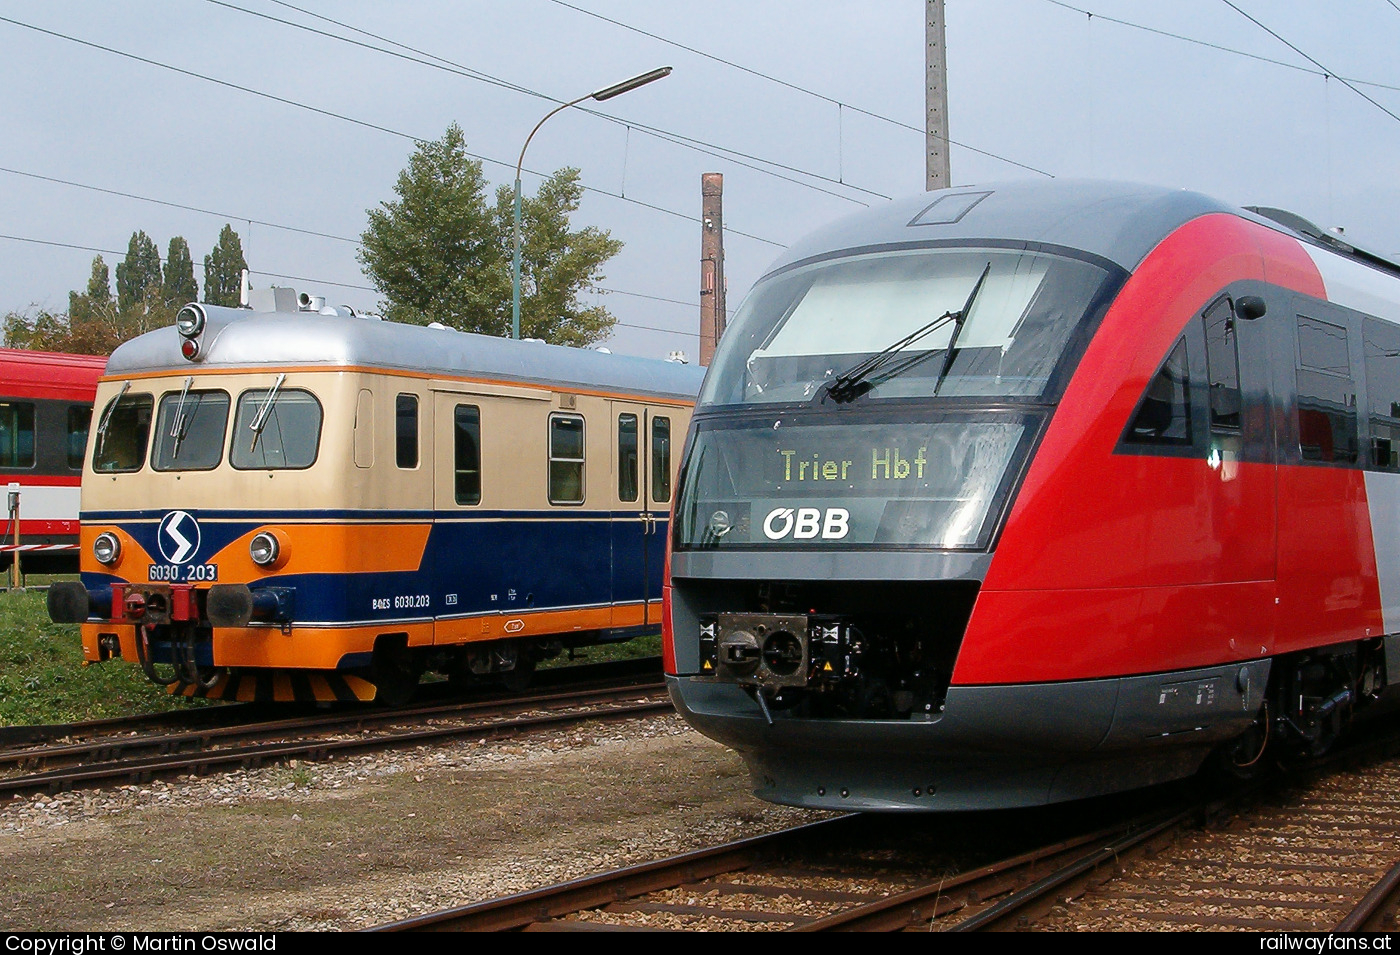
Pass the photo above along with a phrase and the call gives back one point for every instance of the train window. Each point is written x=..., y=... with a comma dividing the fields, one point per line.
x=883, y=322
x=661, y=459
x=275, y=429
x=626, y=457
x=190, y=431
x=364, y=429
x=565, y=459
x=1222, y=366
x=1164, y=414
x=1382, y=351
x=406, y=431
x=79, y=420
x=121, y=434
x=466, y=463
x=16, y=434
x=1326, y=393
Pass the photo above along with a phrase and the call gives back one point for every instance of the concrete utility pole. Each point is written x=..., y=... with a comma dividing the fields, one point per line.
x=936, y=119
x=712, y=313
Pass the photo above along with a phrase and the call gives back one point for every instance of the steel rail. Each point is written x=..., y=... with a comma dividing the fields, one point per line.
x=1370, y=913
x=251, y=756
x=517, y=911
x=354, y=720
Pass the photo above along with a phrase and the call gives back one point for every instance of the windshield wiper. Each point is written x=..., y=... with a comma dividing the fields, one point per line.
x=260, y=419
x=860, y=377
x=107, y=416
x=177, y=427
x=958, y=327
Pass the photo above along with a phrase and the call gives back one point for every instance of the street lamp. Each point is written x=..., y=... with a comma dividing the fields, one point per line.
x=626, y=86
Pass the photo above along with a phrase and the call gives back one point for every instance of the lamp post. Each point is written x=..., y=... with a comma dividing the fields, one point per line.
x=626, y=86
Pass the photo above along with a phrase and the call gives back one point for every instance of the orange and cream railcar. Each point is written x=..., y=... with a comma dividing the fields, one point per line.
x=315, y=505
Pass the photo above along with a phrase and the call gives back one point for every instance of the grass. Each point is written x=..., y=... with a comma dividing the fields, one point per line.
x=42, y=677
x=608, y=652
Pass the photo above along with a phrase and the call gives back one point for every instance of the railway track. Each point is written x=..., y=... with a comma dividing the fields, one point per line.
x=1317, y=855
x=115, y=751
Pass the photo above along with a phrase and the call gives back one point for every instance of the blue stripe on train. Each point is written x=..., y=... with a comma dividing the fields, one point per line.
x=469, y=567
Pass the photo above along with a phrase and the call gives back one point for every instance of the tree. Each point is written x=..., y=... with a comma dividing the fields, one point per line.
x=441, y=252
x=178, y=286
x=223, y=270
x=137, y=272
x=436, y=252
x=556, y=264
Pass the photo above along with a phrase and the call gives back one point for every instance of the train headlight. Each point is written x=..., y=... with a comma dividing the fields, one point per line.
x=265, y=549
x=107, y=549
x=190, y=321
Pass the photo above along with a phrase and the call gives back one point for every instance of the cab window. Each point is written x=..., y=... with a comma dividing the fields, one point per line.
x=190, y=431
x=121, y=434
x=276, y=429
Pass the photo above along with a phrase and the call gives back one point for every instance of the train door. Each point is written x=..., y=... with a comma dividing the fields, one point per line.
x=632, y=540
x=464, y=548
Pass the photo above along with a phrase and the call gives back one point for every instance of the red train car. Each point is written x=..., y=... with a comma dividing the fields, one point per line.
x=1016, y=494
x=45, y=410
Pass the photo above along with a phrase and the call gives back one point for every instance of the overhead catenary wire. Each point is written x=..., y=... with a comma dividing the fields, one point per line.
x=1345, y=82
x=440, y=63
x=358, y=122
x=785, y=83
x=1219, y=47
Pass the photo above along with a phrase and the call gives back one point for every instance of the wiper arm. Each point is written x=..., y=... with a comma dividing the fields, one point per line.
x=177, y=427
x=856, y=381
x=958, y=327
x=260, y=419
x=107, y=416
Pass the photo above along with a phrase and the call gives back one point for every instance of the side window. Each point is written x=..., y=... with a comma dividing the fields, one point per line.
x=16, y=434
x=275, y=429
x=466, y=454
x=1222, y=367
x=1326, y=393
x=1382, y=351
x=121, y=434
x=565, y=459
x=1164, y=415
x=79, y=420
x=661, y=459
x=406, y=431
x=626, y=457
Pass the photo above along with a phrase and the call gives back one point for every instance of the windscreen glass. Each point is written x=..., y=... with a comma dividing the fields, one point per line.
x=918, y=484
x=190, y=431
x=122, y=433
x=800, y=331
x=276, y=428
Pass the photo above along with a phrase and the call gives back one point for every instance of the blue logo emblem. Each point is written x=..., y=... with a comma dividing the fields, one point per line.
x=178, y=537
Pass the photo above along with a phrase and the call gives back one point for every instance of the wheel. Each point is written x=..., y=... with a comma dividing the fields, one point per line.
x=518, y=677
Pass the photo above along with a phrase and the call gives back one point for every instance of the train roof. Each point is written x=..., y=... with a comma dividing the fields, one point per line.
x=43, y=374
x=241, y=339
x=1117, y=221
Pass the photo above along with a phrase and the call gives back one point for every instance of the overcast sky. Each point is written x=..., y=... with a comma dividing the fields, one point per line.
x=1036, y=88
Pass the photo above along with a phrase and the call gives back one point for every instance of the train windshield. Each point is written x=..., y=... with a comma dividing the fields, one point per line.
x=809, y=484
x=190, y=431
x=803, y=331
x=122, y=433
x=276, y=428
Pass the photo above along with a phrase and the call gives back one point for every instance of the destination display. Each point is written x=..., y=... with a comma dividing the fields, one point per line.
x=926, y=485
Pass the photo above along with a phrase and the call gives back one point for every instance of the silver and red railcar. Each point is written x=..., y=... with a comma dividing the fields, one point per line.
x=1016, y=494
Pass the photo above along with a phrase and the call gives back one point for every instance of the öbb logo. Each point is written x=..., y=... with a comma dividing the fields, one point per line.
x=805, y=523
